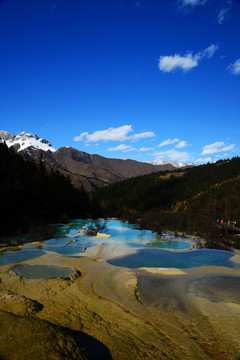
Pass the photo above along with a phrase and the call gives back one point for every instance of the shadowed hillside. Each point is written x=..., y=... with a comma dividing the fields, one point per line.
x=186, y=200
x=84, y=170
x=31, y=195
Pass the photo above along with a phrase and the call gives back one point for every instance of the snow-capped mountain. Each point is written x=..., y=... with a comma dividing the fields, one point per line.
x=24, y=140
x=164, y=162
x=89, y=171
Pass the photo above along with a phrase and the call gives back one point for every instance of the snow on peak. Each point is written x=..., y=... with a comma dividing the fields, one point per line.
x=25, y=140
x=4, y=135
x=171, y=162
x=166, y=162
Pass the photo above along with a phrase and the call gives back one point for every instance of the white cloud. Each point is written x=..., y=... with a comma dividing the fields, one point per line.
x=185, y=62
x=207, y=53
x=122, y=147
x=172, y=155
x=193, y=2
x=235, y=67
x=168, y=142
x=181, y=144
x=117, y=134
x=113, y=134
x=216, y=147
x=204, y=160
x=143, y=135
x=171, y=63
x=228, y=148
x=222, y=15
x=146, y=149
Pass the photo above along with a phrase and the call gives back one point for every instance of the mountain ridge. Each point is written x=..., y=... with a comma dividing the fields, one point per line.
x=88, y=170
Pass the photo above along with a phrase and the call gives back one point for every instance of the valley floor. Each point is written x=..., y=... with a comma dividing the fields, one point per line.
x=121, y=314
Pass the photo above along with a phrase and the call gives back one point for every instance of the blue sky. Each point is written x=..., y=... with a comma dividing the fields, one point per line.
x=142, y=79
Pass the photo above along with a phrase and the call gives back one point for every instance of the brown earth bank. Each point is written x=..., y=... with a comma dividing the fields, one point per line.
x=106, y=312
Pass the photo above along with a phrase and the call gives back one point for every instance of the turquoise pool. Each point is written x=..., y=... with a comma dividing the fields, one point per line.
x=152, y=250
x=172, y=259
x=13, y=257
x=121, y=234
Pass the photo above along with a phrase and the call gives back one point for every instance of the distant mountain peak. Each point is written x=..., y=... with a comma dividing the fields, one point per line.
x=171, y=162
x=91, y=171
x=25, y=140
x=4, y=135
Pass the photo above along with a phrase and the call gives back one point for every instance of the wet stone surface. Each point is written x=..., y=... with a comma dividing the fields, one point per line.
x=43, y=271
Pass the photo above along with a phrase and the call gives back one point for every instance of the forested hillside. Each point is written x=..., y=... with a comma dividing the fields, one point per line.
x=185, y=200
x=189, y=200
x=31, y=196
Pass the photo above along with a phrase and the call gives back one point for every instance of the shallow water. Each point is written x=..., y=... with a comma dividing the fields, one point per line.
x=64, y=250
x=43, y=271
x=121, y=234
x=13, y=257
x=170, y=244
x=171, y=259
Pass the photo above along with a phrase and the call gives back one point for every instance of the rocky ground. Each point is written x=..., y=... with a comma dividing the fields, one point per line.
x=105, y=312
